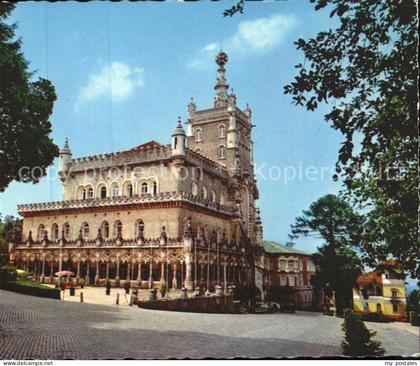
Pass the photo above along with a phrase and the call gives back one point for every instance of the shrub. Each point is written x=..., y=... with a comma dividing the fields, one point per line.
x=280, y=294
x=8, y=273
x=246, y=294
x=375, y=317
x=358, y=339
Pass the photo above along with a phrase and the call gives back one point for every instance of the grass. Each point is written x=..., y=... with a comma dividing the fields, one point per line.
x=35, y=284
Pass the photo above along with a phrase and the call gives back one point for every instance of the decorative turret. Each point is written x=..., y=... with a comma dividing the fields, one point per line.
x=192, y=108
x=221, y=86
x=232, y=132
x=64, y=160
x=178, y=139
x=258, y=228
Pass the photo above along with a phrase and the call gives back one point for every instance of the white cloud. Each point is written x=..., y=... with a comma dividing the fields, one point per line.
x=251, y=37
x=116, y=81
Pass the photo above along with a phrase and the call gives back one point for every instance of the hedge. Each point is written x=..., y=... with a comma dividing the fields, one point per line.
x=28, y=288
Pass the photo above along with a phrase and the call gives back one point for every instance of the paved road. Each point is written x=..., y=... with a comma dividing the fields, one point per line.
x=39, y=328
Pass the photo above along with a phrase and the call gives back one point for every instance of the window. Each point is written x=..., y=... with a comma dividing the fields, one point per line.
x=130, y=190
x=105, y=230
x=66, y=230
x=90, y=193
x=103, y=192
x=154, y=187
x=221, y=150
x=213, y=196
x=139, y=228
x=54, y=232
x=378, y=291
x=394, y=293
x=81, y=193
x=194, y=189
x=115, y=190
x=378, y=308
x=222, y=199
x=198, y=134
x=117, y=229
x=290, y=265
x=40, y=234
x=395, y=308
x=222, y=131
x=144, y=188
x=204, y=193
x=85, y=230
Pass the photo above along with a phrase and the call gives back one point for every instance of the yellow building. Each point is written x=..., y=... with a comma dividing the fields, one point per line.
x=381, y=291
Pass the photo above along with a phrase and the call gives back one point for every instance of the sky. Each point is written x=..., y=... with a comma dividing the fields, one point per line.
x=158, y=56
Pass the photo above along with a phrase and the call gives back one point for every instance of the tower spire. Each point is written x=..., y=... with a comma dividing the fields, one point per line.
x=222, y=86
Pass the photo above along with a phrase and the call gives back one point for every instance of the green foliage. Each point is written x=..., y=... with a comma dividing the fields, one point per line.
x=413, y=301
x=358, y=339
x=10, y=232
x=280, y=294
x=26, y=106
x=367, y=69
x=338, y=266
x=247, y=293
x=8, y=273
x=374, y=317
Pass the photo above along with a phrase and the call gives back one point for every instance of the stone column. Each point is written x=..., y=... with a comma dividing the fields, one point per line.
x=224, y=277
x=87, y=277
x=139, y=274
x=117, y=274
x=52, y=269
x=128, y=271
x=151, y=273
x=174, y=281
x=78, y=269
x=43, y=268
x=97, y=272
x=162, y=272
x=107, y=270
x=188, y=273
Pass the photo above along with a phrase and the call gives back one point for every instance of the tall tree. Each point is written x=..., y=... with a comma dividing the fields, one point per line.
x=10, y=232
x=330, y=218
x=25, y=109
x=367, y=69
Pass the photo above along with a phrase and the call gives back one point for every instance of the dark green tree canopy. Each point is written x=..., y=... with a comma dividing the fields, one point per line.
x=25, y=109
x=367, y=70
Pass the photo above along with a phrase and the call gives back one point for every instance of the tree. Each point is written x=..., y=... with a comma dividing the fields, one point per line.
x=25, y=108
x=358, y=339
x=367, y=69
x=10, y=232
x=333, y=220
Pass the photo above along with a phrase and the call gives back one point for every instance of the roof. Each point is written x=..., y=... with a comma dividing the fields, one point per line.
x=273, y=247
x=149, y=144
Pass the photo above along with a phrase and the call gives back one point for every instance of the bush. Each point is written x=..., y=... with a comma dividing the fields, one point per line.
x=8, y=273
x=358, y=338
x=247, y=294
x=31, y=288
x=375, y=317
x=280, y=294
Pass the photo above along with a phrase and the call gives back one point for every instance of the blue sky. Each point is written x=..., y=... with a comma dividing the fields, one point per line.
x=158, y=55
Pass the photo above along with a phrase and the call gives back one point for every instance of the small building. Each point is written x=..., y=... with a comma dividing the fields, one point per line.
x=381, y=291
x=288, y=266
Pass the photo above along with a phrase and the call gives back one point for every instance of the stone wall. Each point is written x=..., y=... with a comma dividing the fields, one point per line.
x=202, y=304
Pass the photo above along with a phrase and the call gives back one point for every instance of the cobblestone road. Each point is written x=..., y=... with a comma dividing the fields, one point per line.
x=39, y=328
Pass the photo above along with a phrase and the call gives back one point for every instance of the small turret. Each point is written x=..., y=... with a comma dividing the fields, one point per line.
x=178, y=139
x=64, y=160
x=232, y=132
x=221, y=86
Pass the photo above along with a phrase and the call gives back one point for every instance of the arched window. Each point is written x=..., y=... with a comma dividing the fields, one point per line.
x=194, y=189
x=85, y=230
x=81, y=193
x=213, y=196
x=394, y=292
x=378, y=308
x=105, y=230
x=221, y=152
x=129, y=190
x=117, y=229
x=222, y=131
x=90, y=192
x=199, y=150
x=54, y=232
x=222, y=199
x=198, y=134
x=203, y=193
x=153, y=187
x=115, y=190
x=139, y=228
x=66, y=231
x=40, y=234
x=102, y=192
x=144, y=188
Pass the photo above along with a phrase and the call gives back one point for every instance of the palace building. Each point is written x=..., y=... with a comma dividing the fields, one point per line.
x=184, y=213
